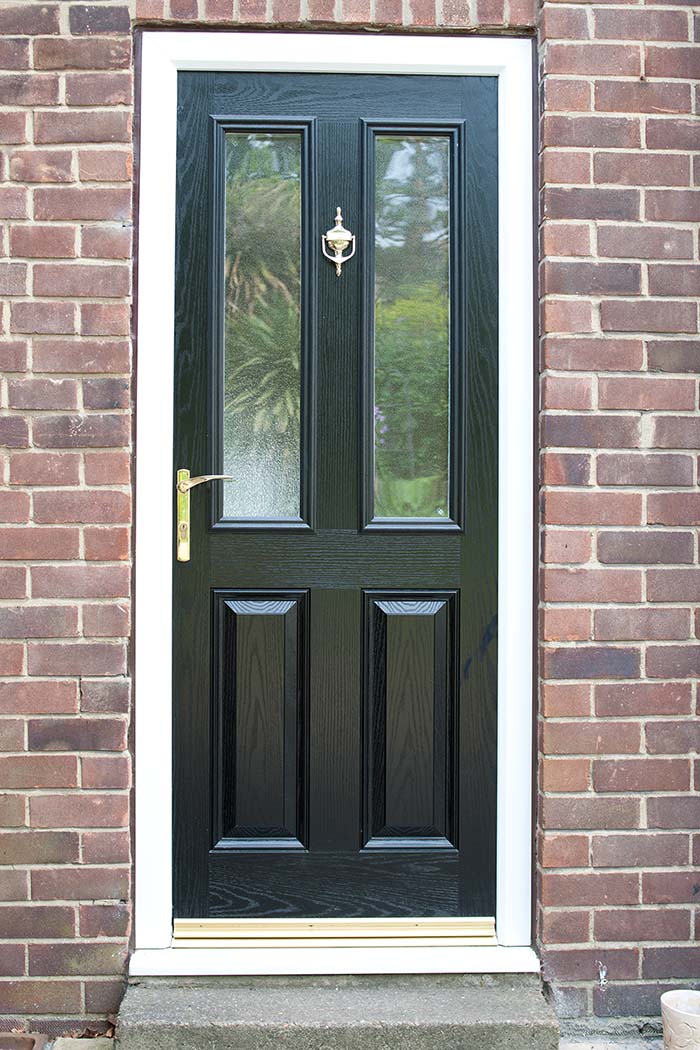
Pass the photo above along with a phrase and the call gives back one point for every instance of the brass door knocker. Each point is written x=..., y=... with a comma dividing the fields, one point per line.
x=338, y=239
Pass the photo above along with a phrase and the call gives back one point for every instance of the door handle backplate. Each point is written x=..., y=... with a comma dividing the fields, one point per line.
x=183, y=485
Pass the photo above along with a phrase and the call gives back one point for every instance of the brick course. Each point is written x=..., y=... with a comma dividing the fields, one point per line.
x=619, y=802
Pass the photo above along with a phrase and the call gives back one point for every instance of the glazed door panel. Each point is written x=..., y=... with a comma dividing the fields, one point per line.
x=335, y=627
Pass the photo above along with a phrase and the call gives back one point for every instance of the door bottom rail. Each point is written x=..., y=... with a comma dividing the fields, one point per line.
x=334, y=933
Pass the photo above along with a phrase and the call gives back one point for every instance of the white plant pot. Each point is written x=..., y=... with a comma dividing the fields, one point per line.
x=680, y=1011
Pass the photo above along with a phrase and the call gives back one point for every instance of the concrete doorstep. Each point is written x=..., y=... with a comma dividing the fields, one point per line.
x=454, y=1012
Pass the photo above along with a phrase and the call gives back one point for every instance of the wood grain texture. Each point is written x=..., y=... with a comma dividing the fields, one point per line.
x=447, y=866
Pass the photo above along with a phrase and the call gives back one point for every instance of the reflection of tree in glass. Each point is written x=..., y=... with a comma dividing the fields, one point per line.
x=411, y=373
x=262, y=321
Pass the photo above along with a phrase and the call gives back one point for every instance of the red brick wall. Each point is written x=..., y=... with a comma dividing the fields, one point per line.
x=619, y=501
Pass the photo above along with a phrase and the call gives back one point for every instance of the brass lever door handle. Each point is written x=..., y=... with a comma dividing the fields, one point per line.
x=183, y=485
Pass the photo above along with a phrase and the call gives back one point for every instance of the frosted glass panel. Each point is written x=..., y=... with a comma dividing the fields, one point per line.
x=411, y=327
x=262, y=333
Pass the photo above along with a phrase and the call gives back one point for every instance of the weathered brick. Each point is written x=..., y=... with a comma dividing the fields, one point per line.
x=104, y=920
x=672, y=738
x=564, y=851
x=643, y=698
x=44, y=468
x=639, y=851
x=41, y=997
x=105, y=695
x=79, y=811
x=47, y=658
x=71, y=202
x=587, y=59
x=584, y=278
x=643, y=469
x=649, y=24
x=90, y=431
x=670, y=887
x=673, y=62
x=81, y=506
x=106, y=621
x=38, y=771
x=63, y=53
x=645, y=242
x=616, y=96
x=107, y=544
x=43, y=394
x=565, y=468
x=47, y=960
x=646, y=393
x=641, y=169
x=674, y=811
x=81, y=355
x=645, y=548
x=42, y=242
x=106, y=847
x=80, y=581
x=590, y=738
x=667, y=924
x=35, y=697
x=676, y=432
x=83, y=883
x=565, y=927
x=38, y=621
x=641, y=624
x=671, y=962
x=77, y=734
x=575, y=963
x=593, y=203
x=39, y=544
x=591, y=585
x=673, y=661
x=672, y=134
x=674, y=280
x=561, y=700
x=39, y=847
x=648, y=315
x=564, y=507
x=587, y=889
x=39, y=318
x=672, y=205
x=593, y=354
x=28, y=89
x=565, y=775
x=99, y=18
x=641, y=774
x=673, y=508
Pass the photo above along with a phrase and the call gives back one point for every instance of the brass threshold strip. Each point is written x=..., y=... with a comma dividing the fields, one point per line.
x=334, y=933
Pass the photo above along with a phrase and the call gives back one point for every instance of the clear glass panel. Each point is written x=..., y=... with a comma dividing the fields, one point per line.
x=411, y=327
x=262, y=337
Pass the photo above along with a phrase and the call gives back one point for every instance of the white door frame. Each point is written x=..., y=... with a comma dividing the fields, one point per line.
x=509, y=59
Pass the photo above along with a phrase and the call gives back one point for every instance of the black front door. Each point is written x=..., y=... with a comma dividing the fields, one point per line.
x=335, y=626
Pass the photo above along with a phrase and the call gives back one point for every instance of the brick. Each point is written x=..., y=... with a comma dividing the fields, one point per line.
x=592, y=432
x=46, y=658
x=12, y=960
x=642, y=169
x=641, y=774
x=81, y=355
x=42, y=318
x=672, y=205
x=79, y=811
x=14, y=432
x=43, y=394
x=673, y=62
x=565, y=468
x=38, y=771
x=74, y=279
x=39, y=847
x=673, y=134
x=107, y=468
x=106, y=621
x=105, y=165
x=671, y=962
x=591, y=585
x=38, y=621
x=77, y=734
x=42, y=242
x=13, y=130
x=80, y=581
x=673, y=508
x=55, y=997
x=579, y=963
x=106, y=847
x=561, y=700
x=13, y=356
x=645, y=548
x=567, y=95
x=616, y=24
x=104, y=319
x=565, y=239
x=105, y=772
x=673, y=661
x=639, y=851
x=565, y=927
x=566, y=625
x=642, y=469
x=14, y=506
x=62, y=53
x=28, y=89
x=676, y=432
x=591, y=203
x=646, y=394
x=104, y=920
x=671, y=887
x=105, y=695
x=421, y=12
x=593, y=354
x=14, y=53
x=92, y=19
x=565, y=775
x=11, y=659
x=562, y=315
x=674, y=812
x=256, y=10
x=564, y=851
x=588, y=889
x=647, y=925
x=645, y=242
x=674, y=280
x=13, y=202
x=13, y=584
x=104, y=242
x=613, y=96
x=643, y=698
x=107, y=544
x=586, y=59
x=81, y=506
x=672, y=738
x=107, y=393
x=591, y=662
x=564, y=23
x=590, y=738
x=583, y=278
x=28, y=19
x=44, y=468
x=564, y=507
x=650, y=315
x=48, y=960
x=92, y=431
x=70, y=202
x=12, y=810
x=103, y=996
x=33, y=697
x=567, y=392
x=590, y=131
x=99, y=89
x=590, y=813
x=13, y=885
x=559, y=166
x=37, y=544
x=74, y=884
x=13, y=278
x=641, y=624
